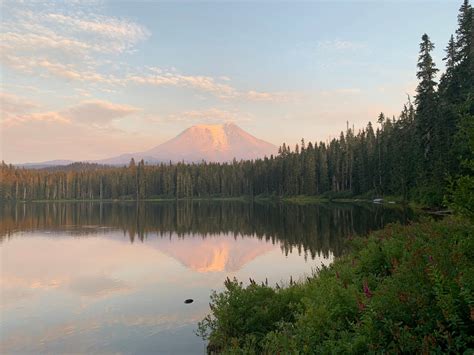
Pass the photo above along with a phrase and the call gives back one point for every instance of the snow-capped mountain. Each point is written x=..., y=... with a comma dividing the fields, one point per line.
x=212, y=143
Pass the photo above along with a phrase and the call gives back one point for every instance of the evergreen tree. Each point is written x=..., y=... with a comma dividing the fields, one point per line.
x=464, y=36
x=427, y=115
x=415, y=155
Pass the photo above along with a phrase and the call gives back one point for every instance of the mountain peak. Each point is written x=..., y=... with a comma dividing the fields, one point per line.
x=210, y=142
x=214, y=125
x=214, y=135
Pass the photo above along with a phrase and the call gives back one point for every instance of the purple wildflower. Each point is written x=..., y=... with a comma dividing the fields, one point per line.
x=367, y=291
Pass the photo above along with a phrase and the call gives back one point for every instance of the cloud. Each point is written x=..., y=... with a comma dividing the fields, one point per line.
x=44, y=66
x=82, y=32
x=153, y=77
x=120, y=34
x=21, y=42
x=218, y=87
x=51, y=116
x=98, y=112
x=76, y=44
x=17, y=110
x=269, y=96
x=12, y=104
x=200, y=82
x=44, y=39
x=61, y=70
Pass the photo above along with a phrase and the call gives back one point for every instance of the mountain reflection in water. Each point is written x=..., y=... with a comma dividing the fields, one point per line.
x=113, y=277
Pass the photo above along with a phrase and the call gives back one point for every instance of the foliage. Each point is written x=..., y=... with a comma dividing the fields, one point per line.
x=242, y=316
x=414, y=155
x=461, y=199
x=403, y=289
x=461, y=196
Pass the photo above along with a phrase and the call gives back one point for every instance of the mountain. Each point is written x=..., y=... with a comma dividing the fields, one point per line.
x=212, y=143
x=216, y=143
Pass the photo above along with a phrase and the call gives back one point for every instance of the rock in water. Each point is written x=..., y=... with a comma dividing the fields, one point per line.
x=189, y=300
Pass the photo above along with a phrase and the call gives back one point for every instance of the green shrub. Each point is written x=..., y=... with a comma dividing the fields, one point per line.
x=461, y=194
x=403, y=289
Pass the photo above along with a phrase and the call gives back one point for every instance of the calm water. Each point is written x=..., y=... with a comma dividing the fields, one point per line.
x=112, y=278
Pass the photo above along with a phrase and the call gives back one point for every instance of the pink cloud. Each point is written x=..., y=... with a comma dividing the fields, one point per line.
x=99, y=112
x=17, y=110
x=13, y=104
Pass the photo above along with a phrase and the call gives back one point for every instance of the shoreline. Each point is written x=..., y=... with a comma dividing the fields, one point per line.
x=392, y=201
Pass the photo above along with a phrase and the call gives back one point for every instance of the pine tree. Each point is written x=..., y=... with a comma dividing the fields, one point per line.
x=465, y=50
x=426, y=101
x=464, y=36
x=448, y=86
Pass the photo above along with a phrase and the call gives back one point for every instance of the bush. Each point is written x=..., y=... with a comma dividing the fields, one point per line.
x=461, y=194
x=402, y=289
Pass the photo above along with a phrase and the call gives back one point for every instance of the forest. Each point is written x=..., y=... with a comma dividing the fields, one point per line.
x=403, y=289
x=422, y=155
x=406, y=288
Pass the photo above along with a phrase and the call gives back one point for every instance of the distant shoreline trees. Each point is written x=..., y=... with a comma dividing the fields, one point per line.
x=424, y=153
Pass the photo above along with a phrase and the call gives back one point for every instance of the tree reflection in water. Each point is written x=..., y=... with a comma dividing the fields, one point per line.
x=312, y=229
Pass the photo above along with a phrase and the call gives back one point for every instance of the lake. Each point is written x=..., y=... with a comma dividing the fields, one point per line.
x=113, y=277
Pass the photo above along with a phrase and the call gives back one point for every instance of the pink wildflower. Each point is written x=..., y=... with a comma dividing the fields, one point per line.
x=367, y=291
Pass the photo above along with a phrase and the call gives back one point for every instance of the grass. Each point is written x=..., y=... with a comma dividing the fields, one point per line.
x=404, y=289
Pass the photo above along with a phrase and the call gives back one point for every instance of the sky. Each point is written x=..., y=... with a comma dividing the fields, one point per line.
x=85, y=80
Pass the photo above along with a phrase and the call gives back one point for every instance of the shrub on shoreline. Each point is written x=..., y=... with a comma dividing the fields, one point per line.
x=401, y=289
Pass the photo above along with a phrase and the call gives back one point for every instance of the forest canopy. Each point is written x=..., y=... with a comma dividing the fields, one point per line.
x=423, y=154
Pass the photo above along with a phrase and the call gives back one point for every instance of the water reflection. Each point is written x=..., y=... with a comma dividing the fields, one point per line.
x=312, y=229
x=108, y=278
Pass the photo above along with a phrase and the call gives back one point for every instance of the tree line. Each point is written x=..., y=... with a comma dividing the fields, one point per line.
x=421, y=154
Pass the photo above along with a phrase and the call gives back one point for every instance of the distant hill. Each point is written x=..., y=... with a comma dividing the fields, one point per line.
x=45, y=164
x=64, y=165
